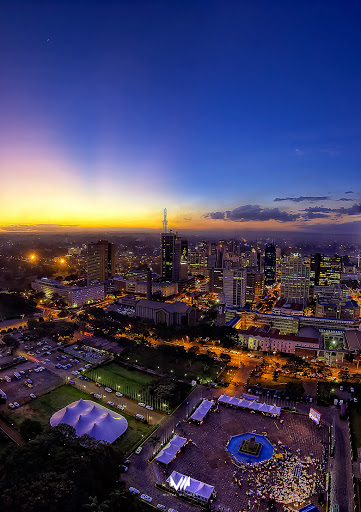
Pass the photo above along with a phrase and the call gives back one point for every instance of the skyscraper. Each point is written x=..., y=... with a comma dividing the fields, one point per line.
x=295, y=279
x=234, y=287
x=101, y=260
x=325, y=270
x=174, y=252
x=270, y=264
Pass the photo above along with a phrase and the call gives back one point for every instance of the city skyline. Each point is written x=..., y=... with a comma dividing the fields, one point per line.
x=233, y=117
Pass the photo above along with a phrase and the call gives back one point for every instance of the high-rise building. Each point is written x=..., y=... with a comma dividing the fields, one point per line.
x=295, y=279
x=254, y=286
x=174, y=251
x=216, y=280
x=234, y=287
x=325, y=270
x=171, y=257
x=101, y=260
x=270, y=264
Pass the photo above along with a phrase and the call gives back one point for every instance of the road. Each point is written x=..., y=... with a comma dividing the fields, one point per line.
x=12, y=433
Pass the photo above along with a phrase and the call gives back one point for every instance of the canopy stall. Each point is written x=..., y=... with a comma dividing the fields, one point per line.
x=246, y=404
x=189, y=486
x=202, y=410
x=167, y=454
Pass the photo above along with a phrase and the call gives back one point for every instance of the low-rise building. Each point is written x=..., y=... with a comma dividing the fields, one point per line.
x=269, y=339
x=174, y=313
x=73, y=296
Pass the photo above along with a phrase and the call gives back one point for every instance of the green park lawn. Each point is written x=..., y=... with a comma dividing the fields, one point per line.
x=41, y=409
x=134, y=384
x=155, y=359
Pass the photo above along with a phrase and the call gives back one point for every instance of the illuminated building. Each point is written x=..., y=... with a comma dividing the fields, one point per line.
x=254, y=286
x=270, y=265
x=325, y=270
x=73, y=296
x=101, y=260
x=295, y=279
x=234, y=287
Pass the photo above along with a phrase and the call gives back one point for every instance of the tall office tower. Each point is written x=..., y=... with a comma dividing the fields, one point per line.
x=149, y=284
x=254, y=286
x=171, y=256
x=270, y=264
x=183, y=259
x=233, y=247
x=325, y=270
x=234, y=287
x=215, y=280
x=197, y=263
x=295, y=279
x=101, y=260
x=221, y=254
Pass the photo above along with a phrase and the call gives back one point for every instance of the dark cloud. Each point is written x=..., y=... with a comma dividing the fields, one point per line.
x=215, y=215
x=345, y=199
x=349, y=192
x=355, y=209
x=317, y=209
x=254, y=212
x=312, y=215
x=303, y=198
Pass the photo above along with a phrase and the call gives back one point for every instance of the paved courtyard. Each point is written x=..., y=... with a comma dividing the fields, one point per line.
x=295, y=478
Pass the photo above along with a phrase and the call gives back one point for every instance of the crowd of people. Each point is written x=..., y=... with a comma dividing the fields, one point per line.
x=288, y=477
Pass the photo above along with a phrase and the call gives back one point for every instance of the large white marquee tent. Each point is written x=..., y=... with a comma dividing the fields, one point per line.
x=90, y=418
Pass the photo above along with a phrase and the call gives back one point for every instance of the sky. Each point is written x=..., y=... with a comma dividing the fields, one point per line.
x=237, y=114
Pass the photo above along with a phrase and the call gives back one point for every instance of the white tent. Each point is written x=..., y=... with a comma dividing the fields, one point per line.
x=90, y=418
x=246, y=404
x=171, y=449
x=201, y=411
x=190, y=486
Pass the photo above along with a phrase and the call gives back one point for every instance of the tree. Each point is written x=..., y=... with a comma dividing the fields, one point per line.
x=95, y=505
x=295, y=388
x=154, y=441
x=29, y=429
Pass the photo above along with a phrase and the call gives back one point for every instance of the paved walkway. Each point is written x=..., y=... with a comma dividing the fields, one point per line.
x=12, y=433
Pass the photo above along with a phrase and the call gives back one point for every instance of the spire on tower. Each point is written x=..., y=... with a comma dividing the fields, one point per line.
x=165, y=222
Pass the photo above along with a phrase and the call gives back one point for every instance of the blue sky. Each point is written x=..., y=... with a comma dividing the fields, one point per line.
x=198, y=106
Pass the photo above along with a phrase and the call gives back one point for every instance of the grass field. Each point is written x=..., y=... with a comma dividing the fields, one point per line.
x=42, y=408
x=155, y=359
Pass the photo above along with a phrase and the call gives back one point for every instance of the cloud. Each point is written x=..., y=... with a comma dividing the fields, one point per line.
x=345, y=199
x=349, y=192
x=312, y=215
x=355, y=209
x=254, y=212
x=303, y=198
x=298, y=151
x=24, y=228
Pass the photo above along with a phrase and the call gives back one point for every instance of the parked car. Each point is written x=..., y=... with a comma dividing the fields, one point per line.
x=16, y=404
x=138, y=450
x=118, y=393
x=161, y=507
x=147, y=498
x=111, y=403
x=120, y=407
x=141, y=404
x=12, y=406
x=32, y=395
x=133, y=490
x=109, y=390
x=149, y=407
